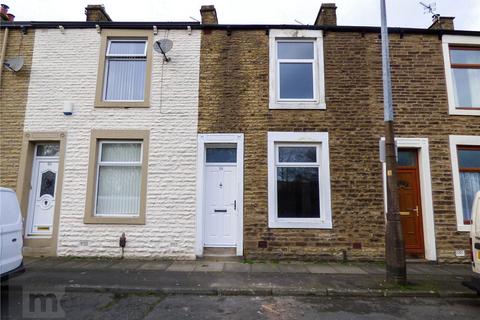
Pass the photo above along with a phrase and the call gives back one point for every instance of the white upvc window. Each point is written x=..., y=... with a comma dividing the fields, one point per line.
x=125, y=70
x=465, y=156
x=298, y=180
x=119, y=167
x=461, y=56
x=296, y=69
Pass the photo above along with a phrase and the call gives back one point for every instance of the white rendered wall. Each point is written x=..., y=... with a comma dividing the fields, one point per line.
x=64, y=68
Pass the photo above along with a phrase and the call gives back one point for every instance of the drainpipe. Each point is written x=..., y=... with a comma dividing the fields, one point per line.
x=4, y=49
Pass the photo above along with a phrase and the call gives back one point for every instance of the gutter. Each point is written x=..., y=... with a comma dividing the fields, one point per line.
x=197, y=25
x=2, y=56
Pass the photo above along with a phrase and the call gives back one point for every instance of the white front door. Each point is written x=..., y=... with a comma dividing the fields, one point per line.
x=43, y=188
x=221, y=190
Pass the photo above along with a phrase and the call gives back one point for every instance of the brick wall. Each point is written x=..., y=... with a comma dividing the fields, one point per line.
x=65, y=69
x=234, y=98
x=13, y=98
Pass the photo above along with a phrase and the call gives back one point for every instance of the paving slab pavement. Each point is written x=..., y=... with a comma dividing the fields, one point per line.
x=236, y=278
x=320, y=268
x=125, y=264
x=292, y=268
x=182, y=266
x=206, y=266
x=265, y=267
x=349, y=269
x=155, y=265
x=237, y=267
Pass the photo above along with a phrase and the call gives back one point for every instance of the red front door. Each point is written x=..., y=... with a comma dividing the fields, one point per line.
x=410, y=202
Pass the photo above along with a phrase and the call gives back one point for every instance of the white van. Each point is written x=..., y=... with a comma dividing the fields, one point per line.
x=475, y=242
x=11, y=237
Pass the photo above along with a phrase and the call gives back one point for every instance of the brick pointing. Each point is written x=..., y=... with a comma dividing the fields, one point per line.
x=234, y=98
x=65, y=69
x=13, y=99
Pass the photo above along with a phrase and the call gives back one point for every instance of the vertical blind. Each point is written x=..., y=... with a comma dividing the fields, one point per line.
x=119, y=178
x=125, y=70
x=470, y=185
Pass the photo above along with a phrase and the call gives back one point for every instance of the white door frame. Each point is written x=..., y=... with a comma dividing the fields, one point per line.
x=421, y=144
x=203, y=139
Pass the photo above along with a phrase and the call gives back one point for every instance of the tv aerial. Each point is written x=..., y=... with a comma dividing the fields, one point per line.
x=430, y=8
x=163, y=46
x=14, y=64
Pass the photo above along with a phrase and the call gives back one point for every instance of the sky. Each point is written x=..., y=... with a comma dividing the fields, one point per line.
x=400, y=13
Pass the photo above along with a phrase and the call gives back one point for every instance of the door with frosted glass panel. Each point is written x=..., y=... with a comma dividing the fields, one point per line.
x=43, y=190
x=221, y=190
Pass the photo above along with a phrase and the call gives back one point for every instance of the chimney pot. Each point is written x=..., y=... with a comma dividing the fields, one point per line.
x=209, y=14
x=96, y=12
x=445, y=23
x=327, y=15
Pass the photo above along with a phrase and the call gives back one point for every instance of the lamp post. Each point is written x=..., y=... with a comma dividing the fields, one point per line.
x=394, y=246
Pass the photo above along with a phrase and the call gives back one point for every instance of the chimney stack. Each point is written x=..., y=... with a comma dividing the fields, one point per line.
x=209, y=14
x=444, y=23
x=96, y=12
x=4, y=14
x=327, y=15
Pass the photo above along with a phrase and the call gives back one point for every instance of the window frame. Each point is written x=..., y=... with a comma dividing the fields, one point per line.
x=109, y=57
x=118, y=136
x=291, y=139
x=455, y=142
x=296, y=61
x=459, y=42
x=289, y=35
x=100, y=163
x=107, y=37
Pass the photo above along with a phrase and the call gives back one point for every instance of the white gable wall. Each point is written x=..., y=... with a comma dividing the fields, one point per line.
x=64, y=68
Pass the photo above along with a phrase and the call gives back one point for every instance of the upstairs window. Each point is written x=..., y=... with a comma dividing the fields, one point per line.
x=296, y=69
x=125, y=68
x=465, y=64
x=461, y=56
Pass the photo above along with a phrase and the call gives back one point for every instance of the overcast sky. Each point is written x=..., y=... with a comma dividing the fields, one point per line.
x=401, y=13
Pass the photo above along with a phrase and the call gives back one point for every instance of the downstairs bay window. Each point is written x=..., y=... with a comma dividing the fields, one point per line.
x=298, y=180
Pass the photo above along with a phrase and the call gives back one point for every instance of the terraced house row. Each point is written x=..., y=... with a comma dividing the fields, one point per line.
x=259, y=141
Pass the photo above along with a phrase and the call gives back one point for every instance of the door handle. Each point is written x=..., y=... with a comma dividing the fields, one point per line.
x=234, y=204
x=218, y=210
x=404, y=213
x=14, y=240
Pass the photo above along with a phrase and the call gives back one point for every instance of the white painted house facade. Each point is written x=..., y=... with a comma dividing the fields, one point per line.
x=101, y=158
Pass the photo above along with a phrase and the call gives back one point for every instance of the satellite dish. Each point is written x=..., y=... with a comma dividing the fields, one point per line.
x=163, y=46
x=14, y=64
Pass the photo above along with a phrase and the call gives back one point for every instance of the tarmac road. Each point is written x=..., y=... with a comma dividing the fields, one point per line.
x=98, y=305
